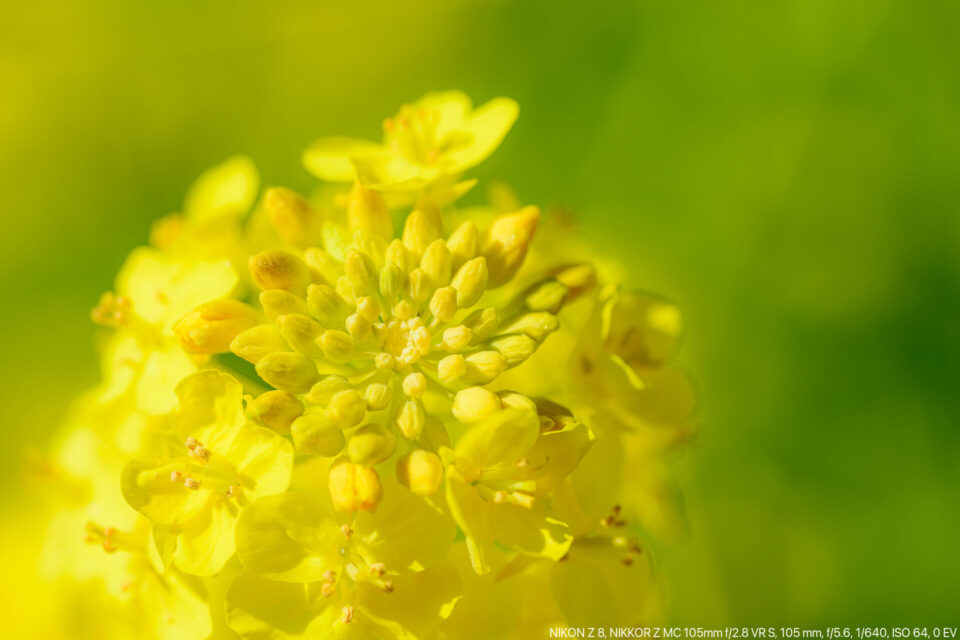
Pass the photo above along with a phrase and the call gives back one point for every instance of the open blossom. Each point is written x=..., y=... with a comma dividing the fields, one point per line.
x=373, y=413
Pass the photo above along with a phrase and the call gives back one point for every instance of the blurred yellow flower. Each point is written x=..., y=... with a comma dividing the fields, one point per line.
x=437, y=137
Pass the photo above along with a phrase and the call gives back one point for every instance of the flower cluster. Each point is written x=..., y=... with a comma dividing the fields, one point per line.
x=370, y=412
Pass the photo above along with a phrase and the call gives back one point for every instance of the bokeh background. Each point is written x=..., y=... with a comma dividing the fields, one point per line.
x=788, y=171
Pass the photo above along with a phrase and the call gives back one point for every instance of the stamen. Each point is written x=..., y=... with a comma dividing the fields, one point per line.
x=233, y=491
x=191, y=483
x=377, y=569
x=197, y=450
x=346, y=530
x=388, y=586
x=347, y=614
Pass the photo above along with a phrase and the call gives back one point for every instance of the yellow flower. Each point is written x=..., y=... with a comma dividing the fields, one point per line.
x=439, y=136
x=310, y=573
x=455, y=428
x=499, y=475
x=213, y=464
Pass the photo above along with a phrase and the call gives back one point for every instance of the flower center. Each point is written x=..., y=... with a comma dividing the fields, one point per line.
x=406, y=340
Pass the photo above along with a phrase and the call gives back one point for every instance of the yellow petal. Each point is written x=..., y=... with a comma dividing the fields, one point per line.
x=210, y=409
x=330, y=159
x=504, y=437
x=206, y=542
x=263, y=459
x=486, y=128
x=288, y=537
x=227, y=189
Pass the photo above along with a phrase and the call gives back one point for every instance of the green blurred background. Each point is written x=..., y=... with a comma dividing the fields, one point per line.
x=788, y=171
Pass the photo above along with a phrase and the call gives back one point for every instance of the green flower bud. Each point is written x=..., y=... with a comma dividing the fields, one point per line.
x=317, y=435
x=347, y=408
x=322, y=393
x=371, y=444
x=470, y=282
x=301, y=333
x=257, y=342
x=277, y=410
x=288, y=371
x=277, y=302
x=410, y=419
x=515, y=349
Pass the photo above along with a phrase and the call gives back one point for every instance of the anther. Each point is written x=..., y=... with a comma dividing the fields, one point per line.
x=346, y=530
x=191, y=483
x=347, y=614
x=197, y=450
x=388, y=586
x=233, y=491
x=377, y=569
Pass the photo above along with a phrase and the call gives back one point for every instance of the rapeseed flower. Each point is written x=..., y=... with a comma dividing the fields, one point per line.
x=371, y=414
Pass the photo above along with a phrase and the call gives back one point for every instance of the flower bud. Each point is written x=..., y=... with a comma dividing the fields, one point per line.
x=347, y=408
x=357, y=326
x=538, y=325
x=212, y=326
x=474, y=404
x=514, y=400
x=291, y=215
x=578, y=278
x=391, y=280
x=301, y=333
x=507, y=242
x=420, y=471
x=437, y=263
x=399, y=255
x=367, y=308
x=277, y=410
x=515, y=349
x=484, y=367
x=410, y=419
x=418, y=232
x=367, y=211
x=255, y=343
x=371, y=444
x=547, y=296
x=483, y=322
x=456, y=338
x=418, y=285
x=278, y=270
x=316, y=435
x=354, y=487
x=470, y=282
x=288, y=371
x=322, y=393
x=322, y=265
x=443, y=305
x=277, y=302
x=463, y=244
x=337, y=346
x=414, y=385
x=451, y=368
x=360, y=271
x=403, y=310
x=326, y=304
x=377, y=396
